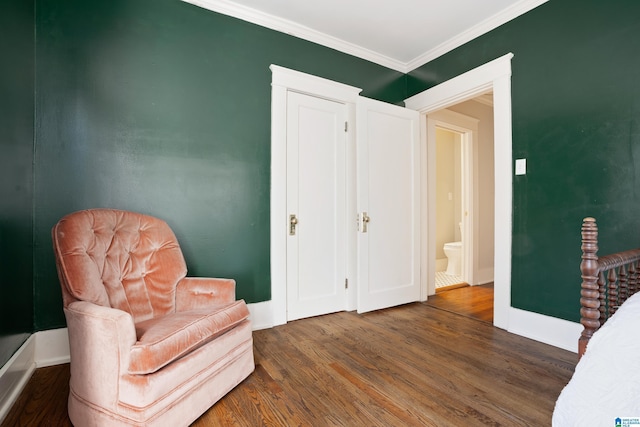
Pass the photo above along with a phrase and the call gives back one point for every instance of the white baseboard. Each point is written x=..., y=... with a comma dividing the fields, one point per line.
x=15, y=374
x=485, y=275
x=545, y=329
x=261, y=315
x=52, y=347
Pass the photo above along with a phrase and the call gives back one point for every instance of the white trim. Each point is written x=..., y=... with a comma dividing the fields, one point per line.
x=15, y=374
x=504, y=16
x=546, y=329
x=313, y=85
x=496, y=76
x=266, y=20
x=296, y=30
x=261, y=315
x=283, y=80
x=463, y=87
x=484, y=276
x=427, y=199
x=52, y=347
x=278, y=204
x=44, y=348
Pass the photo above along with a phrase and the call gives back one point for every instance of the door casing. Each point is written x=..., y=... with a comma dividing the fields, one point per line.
x=284, y=80
x=493, y=76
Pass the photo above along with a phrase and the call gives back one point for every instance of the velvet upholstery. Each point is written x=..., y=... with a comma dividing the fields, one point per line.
x=149, y=346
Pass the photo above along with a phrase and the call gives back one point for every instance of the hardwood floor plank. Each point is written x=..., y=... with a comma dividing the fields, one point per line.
x=470, y=301
x=43, y=402
x=420, y=364
x=447, y=397
x=375, y=364
x=492, y=357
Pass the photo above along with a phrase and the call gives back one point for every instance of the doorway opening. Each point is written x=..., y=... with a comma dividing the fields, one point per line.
x=495, y=77
x=464, y=139
x=454, y=138
x=450, y=239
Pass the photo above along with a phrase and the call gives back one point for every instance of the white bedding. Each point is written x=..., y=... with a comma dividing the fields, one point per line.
x=606, y=382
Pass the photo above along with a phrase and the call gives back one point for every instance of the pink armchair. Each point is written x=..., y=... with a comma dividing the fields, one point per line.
x=149, y=346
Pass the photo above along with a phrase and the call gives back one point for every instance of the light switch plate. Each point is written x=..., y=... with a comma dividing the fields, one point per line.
x=521, y=166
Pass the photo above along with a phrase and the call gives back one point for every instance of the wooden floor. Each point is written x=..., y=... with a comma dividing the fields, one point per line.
x=470, y=301
x=416, y=365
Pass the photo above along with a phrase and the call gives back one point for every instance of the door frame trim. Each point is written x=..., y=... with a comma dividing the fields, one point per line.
x=494, y=75
x=282, y=81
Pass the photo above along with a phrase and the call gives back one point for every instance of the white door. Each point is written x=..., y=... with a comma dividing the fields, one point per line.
x=316, y=206
x=388, y=193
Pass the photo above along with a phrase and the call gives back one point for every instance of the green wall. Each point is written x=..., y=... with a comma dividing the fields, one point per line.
x=576, y=119
x=161, y=107
x=164, y=108
x=16, y=171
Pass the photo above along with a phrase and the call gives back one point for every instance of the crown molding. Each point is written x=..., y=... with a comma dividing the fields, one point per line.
x=293, y=29
x=512, y=12
x=263, y=19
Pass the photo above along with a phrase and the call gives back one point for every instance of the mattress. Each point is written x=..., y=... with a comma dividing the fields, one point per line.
x=606, y=383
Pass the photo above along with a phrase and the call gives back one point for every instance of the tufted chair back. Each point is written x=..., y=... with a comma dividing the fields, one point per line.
x=119, y=259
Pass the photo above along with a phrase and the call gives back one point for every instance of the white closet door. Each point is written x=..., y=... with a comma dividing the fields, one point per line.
x=388, y=187
x=316, y=168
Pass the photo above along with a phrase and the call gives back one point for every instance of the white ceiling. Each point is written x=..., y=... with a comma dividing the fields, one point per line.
x=399, y=34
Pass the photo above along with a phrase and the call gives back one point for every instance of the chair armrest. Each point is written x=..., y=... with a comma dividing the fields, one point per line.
x=100, y=341
x=198, y=292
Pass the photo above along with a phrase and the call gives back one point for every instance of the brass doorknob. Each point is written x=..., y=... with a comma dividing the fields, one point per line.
x=364, y=221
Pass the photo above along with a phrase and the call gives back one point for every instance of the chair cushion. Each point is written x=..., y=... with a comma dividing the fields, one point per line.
x=167, y=338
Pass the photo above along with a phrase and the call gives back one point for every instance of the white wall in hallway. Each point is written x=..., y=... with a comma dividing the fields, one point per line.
x=448, y=191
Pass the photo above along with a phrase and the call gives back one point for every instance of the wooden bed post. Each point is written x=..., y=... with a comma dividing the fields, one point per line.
x=589, y=301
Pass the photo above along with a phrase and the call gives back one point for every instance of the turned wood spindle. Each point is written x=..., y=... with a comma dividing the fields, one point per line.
x=623, y=292
x=589, y=301
x=613, y=293
x=633, y=278
x=602, y=292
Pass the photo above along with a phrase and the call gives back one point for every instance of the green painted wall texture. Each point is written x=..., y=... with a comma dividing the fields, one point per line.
x=16, y=172
x=162, y=107
x=576, y=119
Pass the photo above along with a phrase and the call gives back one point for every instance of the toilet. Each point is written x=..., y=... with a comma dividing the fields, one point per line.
x=453, y=251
